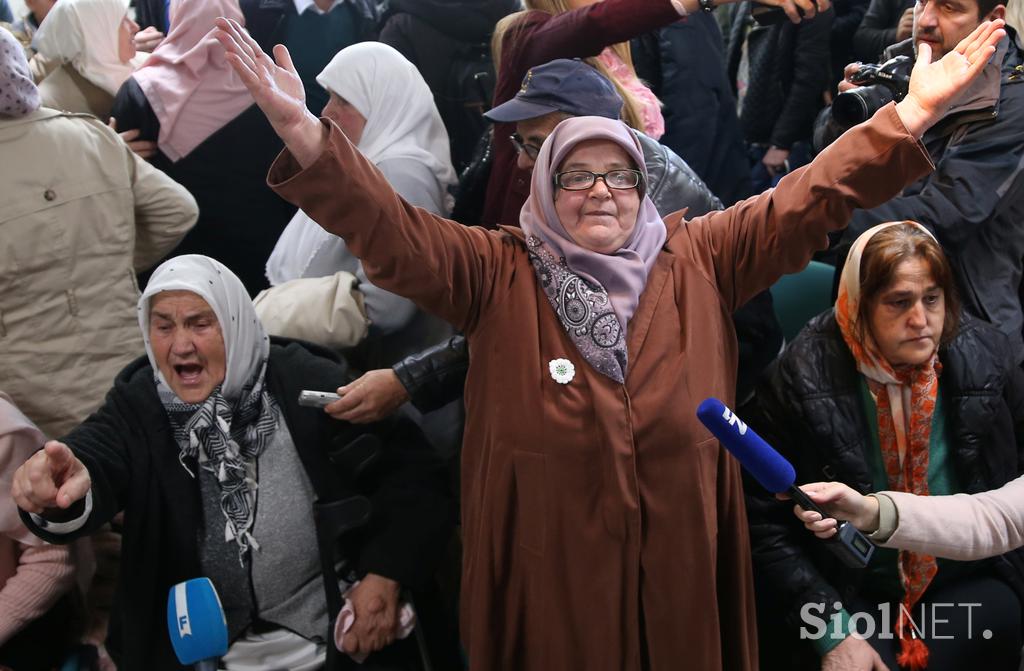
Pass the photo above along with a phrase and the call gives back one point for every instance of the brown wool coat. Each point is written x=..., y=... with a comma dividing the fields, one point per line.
x=587, y=504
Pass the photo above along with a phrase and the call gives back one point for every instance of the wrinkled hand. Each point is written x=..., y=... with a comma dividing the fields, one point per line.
x=793, y=8
x=935, y=86
x=276, y=87
x=775, y=161
x=144, y=148
x=375, y=602
x=905, y=28
x=148, y=39
x=853, y=654
x=371, y=398
x=52, y=478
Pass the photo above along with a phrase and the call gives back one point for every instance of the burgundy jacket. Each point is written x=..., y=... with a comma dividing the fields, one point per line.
x=536, y=39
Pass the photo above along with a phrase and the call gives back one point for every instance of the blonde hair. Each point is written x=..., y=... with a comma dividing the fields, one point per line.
x=508, y=27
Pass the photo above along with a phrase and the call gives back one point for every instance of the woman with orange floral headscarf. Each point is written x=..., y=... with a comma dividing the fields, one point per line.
x=893, y=389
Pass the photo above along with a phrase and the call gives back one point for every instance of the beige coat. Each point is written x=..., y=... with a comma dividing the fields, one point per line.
x=602, y=522
x=66, y=90
x=80, y=215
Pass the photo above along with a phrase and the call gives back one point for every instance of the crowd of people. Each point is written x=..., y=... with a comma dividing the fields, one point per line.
x=515, y=243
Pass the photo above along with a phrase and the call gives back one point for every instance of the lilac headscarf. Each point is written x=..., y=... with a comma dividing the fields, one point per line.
x=623, y=274
x=18, y=93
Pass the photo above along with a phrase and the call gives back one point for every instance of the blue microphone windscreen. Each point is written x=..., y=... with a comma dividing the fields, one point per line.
x=759, y=458
x=195, y=621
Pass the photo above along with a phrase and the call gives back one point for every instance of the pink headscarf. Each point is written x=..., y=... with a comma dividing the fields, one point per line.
x=18, y=94
x=623, y=274
x=22, y=438
x=192, y=89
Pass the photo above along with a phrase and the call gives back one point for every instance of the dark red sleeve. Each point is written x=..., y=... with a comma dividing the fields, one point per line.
x=580, y=33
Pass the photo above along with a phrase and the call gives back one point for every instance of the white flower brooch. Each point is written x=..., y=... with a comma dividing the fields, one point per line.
x=562, y=370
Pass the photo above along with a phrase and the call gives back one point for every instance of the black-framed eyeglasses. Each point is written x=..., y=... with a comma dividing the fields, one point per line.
x=581, y=180
x=521, y=146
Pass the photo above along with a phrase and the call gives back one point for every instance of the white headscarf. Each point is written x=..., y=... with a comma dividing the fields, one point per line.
x=84, y=33
x=402, y=123
x=246, y=344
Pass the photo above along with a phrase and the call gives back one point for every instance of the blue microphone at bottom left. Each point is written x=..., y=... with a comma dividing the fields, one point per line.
x=196, y=624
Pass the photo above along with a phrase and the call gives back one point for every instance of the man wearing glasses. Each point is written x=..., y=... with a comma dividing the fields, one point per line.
x=563, y=88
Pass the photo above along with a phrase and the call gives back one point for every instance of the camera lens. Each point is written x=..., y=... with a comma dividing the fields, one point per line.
x=858, y=105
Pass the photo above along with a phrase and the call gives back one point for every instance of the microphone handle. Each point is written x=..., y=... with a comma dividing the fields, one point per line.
x=805, y=502
x=206, y=665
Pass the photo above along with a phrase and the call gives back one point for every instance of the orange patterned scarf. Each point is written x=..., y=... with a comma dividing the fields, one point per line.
x=905, y=403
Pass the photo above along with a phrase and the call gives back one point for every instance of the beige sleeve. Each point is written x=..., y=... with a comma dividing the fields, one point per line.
x=164, y=212
x=328, y=311
x=40, y=67
x=963, y=527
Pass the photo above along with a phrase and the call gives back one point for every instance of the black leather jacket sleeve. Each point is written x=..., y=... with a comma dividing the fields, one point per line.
x=436, y=376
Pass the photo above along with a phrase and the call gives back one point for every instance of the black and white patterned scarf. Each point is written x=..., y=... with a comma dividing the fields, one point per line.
x=585, y=312
x=226, y=442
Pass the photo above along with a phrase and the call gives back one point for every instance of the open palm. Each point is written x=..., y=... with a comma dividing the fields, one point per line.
x=935, y=85
x=275, y=86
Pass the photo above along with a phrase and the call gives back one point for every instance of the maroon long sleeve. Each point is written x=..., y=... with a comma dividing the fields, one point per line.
x=537, y=39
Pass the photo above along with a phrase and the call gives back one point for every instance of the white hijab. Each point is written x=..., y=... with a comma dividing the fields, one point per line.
x=246, y=344
x=402, y=123
x=84, y=33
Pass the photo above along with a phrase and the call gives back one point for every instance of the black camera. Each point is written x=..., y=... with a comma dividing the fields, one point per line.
x=877, y=85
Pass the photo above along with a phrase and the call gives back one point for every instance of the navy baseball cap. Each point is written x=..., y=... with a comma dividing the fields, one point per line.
x=563, y=85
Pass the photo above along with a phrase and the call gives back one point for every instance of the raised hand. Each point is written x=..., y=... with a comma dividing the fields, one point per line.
x=276, y=87
x=52, y=478
x=934, y=86
x=797, y=10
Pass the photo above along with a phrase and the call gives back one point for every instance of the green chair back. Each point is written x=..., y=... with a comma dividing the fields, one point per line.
x=802, y=296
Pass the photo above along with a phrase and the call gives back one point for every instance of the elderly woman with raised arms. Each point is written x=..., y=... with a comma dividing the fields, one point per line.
x=604, y=527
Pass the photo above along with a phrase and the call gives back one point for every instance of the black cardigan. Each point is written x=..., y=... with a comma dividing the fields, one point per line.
x=810, y=408
x=128, y=447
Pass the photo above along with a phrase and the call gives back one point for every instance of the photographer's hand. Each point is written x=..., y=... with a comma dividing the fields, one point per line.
x=848, y=72
x=905, y=28
x=775, y=161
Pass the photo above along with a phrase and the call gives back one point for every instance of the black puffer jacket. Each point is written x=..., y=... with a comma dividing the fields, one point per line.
x=449, y=43
x=788, y=75
x=684, y=64
x=809, y=406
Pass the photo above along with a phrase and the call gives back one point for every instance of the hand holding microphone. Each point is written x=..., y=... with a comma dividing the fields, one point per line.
x=839, y=501
x=52, y=478
x=777, y=476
